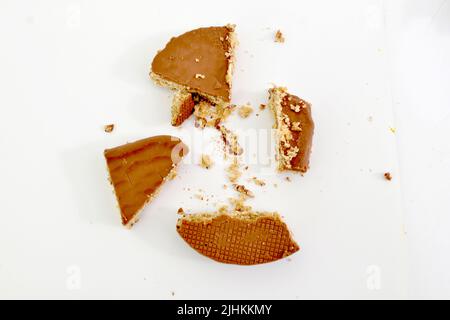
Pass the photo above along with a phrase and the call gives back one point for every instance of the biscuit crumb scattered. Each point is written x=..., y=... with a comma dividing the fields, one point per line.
x=199, y=197
x=210, y=115
x=279, y=37
x=258, y=182
x=109, y=128
x=172, y=174
x=206, y=161
x=197, y=60
x=243, y=190
x=262, y=106
x=393, y=130
x=233, y=171
x=288, y=179
x=388, y=176
x=181, y=211
x=239, y=204
x=245, y=111
x=223, y=209
x=199, y=76
x=225, y=186
x=230, y=141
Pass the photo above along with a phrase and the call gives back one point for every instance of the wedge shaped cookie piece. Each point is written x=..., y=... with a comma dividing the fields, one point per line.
x=294, y=129
x=137, y=170
x=243, y=238
x=200, y=62
x=183, y=105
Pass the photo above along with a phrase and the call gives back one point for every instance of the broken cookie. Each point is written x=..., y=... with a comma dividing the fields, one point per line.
x=199, y=62
x=243, y=238
x=294, y=129
x=137, y=170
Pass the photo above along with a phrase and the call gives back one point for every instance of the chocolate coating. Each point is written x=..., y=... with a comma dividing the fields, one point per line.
x=197, y=59
x=138, y=169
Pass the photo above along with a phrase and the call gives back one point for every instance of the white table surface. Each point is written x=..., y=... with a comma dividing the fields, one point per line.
x=419, y=46
x=414, y=49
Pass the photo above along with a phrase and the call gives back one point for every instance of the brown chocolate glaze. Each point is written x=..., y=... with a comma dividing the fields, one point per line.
x=138, y=169
x=197, y=59
x=240, y=241
x=302, y=139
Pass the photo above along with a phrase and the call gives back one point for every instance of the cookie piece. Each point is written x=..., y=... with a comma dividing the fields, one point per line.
x=243, y=238
x=294, y=129
x=137, y=170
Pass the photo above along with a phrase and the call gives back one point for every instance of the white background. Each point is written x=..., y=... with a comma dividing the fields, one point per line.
x=69, y=67
x=419, y=50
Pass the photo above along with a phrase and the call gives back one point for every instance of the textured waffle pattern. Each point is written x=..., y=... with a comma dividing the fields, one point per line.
x=235, y=240
x=182, y=108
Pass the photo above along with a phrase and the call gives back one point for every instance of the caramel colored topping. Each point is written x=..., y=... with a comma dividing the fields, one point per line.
x=295, y=129
x=138, y=169
x=242, y=238
x=302, y=130
x=199, y=60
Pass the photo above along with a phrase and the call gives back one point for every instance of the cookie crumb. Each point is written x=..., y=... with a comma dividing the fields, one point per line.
x=206, y=161
x=209, y=115
x=258, y=182
x=262, y=106
x=243, y=190
x=181, y=211
x=239, y=204
x=223, y=209
x=279, y=37
x=199, y=197
x=388, y=176
x=245, y=111
x=233, y=171
x=109, y=128
x=172, y=174
x=199, y=76
x=288, y=179
x=197, y=60
x=230, y=141
x=393, y=130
